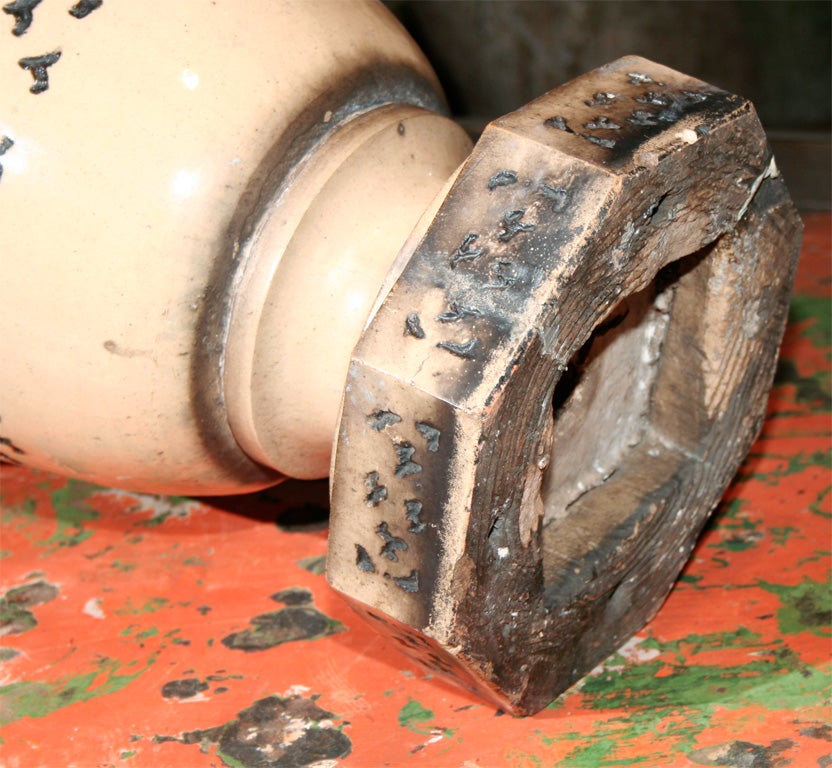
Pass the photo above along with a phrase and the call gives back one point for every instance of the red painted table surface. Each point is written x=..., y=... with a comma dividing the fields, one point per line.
x=164, y=632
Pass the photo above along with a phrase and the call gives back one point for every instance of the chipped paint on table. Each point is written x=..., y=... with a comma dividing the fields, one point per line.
x=148, y=631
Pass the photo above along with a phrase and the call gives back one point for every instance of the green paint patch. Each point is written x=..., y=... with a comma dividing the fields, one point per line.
x=740, y=538
x=39, y=699
x=415, y=717
x=316, y=565
x=730, y=511
x=690, y=579
x=739, y=531
x=792, y=465
x=816, y=312
x=694, y=644
x=147, y=634
x=782, y=535
x=819, y=555
x=669, y=699
x=634, y=732
x=418, y=719
x=806, y=607
x=601, y=752
x=95, y=555
x=558, y=703
x=149, y=606
x=791, y=690
x=820, y=506
x=518, y=759
x=71, y=514
x=230, y=760
x=7, y=654
x=657, y=684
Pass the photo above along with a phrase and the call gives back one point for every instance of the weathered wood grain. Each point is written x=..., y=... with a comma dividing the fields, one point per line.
x=558, y=388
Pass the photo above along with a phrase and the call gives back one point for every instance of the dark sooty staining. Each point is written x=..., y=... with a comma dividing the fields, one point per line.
x=376, y=493
x=392, y=544
x=186, y=688
x=314, y=564
x=465, y=250
x=655, y=99
x=293, y=596
x=274, y=732
x=5, y=458
x=743, y=754
x=602, y=123
x=363, y=560
x=557, y=196
x=431, y=435
x=408, y=583
x=513, y=224
x=637, y=78
x=84, y=8
x=502, y=179
x=406, y=465
x=643, y=118
x=413, y=326
x=22, y=11
x=8, y=443
x=303, y=519
x=380, y=420
x=464, y=350
x=558, y=122
x=601, y=99
x=503, y=275
x=413, y=513
x=605, y=143
x=38, y=66
x=284, y=626
x=15, y=616
x=457, y=312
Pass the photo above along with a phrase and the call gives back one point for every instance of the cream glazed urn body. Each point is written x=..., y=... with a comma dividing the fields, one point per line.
x=200, y=202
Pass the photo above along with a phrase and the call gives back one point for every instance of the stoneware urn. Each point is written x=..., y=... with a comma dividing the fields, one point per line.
x=241, y=241
x=200, y=202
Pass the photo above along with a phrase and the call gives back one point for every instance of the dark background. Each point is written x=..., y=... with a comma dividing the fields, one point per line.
x=493, y=56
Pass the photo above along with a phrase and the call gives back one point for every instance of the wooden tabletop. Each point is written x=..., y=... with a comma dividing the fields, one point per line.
x=147, y=632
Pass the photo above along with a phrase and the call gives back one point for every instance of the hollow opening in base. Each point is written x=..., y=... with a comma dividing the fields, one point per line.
x=610, y=458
